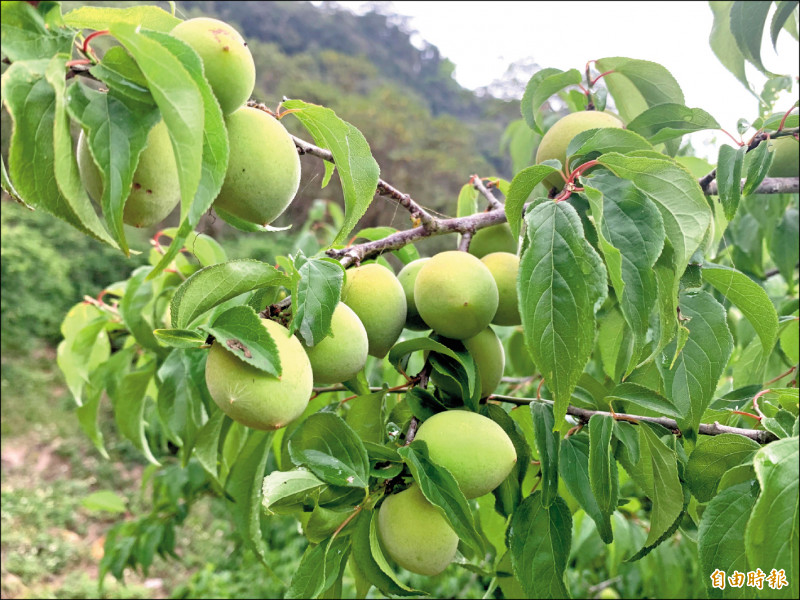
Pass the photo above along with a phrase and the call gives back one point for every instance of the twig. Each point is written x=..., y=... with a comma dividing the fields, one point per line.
x=494, y=203
x=770, y=185
x=762, y=437
x=466, y=238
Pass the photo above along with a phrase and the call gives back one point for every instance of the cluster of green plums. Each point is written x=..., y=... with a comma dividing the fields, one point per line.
x=263, y=166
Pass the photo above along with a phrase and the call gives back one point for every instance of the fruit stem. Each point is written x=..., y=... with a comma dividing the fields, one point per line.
x=785, y=116
x=735, y=141
x=747, y=414
x=755, y=402
x=599, y=77
x=349, y=518
x=86, y=49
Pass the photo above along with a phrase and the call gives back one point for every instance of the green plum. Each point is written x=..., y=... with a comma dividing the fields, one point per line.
x=504, y=267
x=487, y=352
x=407, y=278
x=785, y=158
x=496, y=238
x=341, y=355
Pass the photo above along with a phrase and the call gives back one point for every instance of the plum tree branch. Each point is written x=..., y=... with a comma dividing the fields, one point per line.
x=494, y=203
x=760, y=436
x=770, y=185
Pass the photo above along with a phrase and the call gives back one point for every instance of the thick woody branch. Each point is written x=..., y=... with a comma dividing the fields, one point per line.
x=770, y=185
x=760, y=436
x=359, y=252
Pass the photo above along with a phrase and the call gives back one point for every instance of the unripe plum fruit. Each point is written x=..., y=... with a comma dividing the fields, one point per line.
x=407, y=278
x=376, y=296
x=518, y=354
x=456, y=295
x=554, y=143
x=487, y=351
x=475, y=449
x=341, y=355
x=155, y=189
x=415, y=534
x=497, y=238
x=504, y=267
x=227, y=62
x=263, y=167
x=785, y=158
x=255, y=398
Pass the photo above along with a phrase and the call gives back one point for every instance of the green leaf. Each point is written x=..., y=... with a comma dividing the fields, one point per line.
x=749, y=297
x=547, y=439
x=784, y=10
x=789, y=340
x=772, y=533
x=602, y=464
x=668, y=121
x=215, y=149
x=638, y=84
x=784, y=248
x=592, y=143
x=139, y=293
x=243, y=487
x=455, y=350
x=215, y=284
x=541, y=86
x=331, y=449
x=720, y=536
x=509, y=492
x=206, y=446
x=26, y=35
x=656, y=472
x=84, y=348
x=539, y=539
x=358, y=171
x=467, y=201
x=179, y=100
x=239, y=330
x=286, y=488
x=747, y=21
x=106, y=501
x=677, y=195
x=129, y=398
x=561, y=282
x=182, y=395
x=729, y=178
x=180, y=338
x=690, y=381
x=309, y=581
x=422, y=403
x=368, y=557
x=148, y=17
x=116, y=132
x=723, y=43
x=317, y=296
x=120, y=73
x=643, y=397
x=521, y=187
x=573, y=460
x=711, y=458
x=631, y=237
x=365, y=416
x=757, y=165
x=441, y=489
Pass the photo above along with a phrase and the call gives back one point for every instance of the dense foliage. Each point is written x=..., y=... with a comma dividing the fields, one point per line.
x=628, y=425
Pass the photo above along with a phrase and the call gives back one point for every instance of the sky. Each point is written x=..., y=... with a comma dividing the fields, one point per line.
x=483, y=38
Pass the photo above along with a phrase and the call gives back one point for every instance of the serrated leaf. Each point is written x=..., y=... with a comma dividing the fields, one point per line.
x=149, y=17
x=540, y=87
x=182, y=396
x=179, y=338
x=773, y=531
x=206, y=446
x=318, y=293
x=179, y=100
x=711, y=458
x=690, y=383
x=638, y=84
x=602, y=464
x=720, y=536
x=640, y=396
x=723, y=43
x=757, y=165
x=358, y=171
x=656, y=472
x=747, y=21
x=547, y=439
x=783, y=12
x=84, y=348
x=594, y=142
x=749, y=297
x=243, y=487
x=789, y=340
x=215, y=284
x=521, y=187
x=309, y=581
x=399, y=352
x=331, y=449
x=561, y=281
x=120, y=73
x=26, y=35
x=215, y=150
x=573, y=461
x=677, y=195
x=729, y=178
x=139, y=293
x=285, y=488
x=365, y=416
x=129, y=398
x=116, y=132
x=240, y=331
x=539, y=539
x=422, y=403
x=784, y=248
x=668, y=121
x=441, y=489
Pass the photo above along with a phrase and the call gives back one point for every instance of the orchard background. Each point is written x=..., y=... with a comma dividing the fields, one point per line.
x=657, y=447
